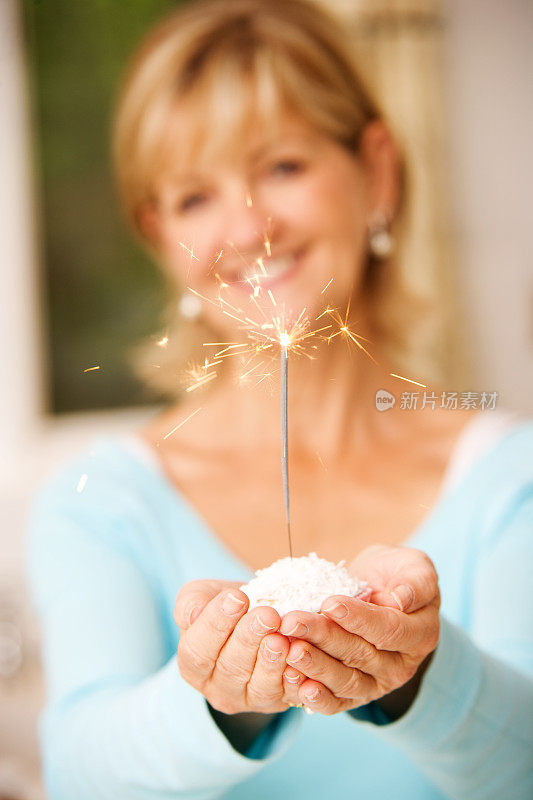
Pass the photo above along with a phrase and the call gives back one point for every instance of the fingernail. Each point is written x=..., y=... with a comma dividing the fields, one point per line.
x=313, y=696
x=272, y=655
x=292, y=678
x=337, y=610
x=404, y=596
x=298, y=658
x=299, y=630
x=232, y=604
x=260, y=628
x=194, y=614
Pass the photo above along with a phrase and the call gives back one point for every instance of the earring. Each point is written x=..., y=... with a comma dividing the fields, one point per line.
x=380, y=239
x=190, y=305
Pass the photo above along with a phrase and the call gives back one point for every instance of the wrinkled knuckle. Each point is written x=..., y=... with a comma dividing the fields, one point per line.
x=398, y=630
x=192, y=658
x=230, y=671
x=188, y=672
x=394, y=633
x=352, y=686
x=358, y=654
x=221, y=625
x=262, y=698
x=243, y=633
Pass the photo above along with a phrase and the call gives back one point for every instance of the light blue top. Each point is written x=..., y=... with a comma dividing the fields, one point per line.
x=105, y=565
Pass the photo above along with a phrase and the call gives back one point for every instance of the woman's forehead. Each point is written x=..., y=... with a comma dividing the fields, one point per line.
x=258, y=141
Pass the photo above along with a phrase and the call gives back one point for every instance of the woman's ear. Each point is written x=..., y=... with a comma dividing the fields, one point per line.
x=147, y=221
x=381, y=159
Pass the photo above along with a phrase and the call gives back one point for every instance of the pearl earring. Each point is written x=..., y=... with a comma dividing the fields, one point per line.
x=380, y=239
x=190, y=305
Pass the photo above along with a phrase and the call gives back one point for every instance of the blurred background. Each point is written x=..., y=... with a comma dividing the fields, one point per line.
x=77, y=293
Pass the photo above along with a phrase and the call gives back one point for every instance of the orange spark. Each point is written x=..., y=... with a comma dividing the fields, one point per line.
x=423, y=385
x=188, y=249
x=181, y=423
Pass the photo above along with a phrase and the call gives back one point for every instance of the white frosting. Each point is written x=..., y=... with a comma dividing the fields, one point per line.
x=300, y=584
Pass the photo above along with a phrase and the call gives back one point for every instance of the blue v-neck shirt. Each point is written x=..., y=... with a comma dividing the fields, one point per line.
x=120, y=723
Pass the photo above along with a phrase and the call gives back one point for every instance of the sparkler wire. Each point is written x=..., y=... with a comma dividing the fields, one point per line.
x=284, y=438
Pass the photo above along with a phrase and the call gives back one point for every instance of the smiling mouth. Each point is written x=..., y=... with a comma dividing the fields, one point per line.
x=267, y=272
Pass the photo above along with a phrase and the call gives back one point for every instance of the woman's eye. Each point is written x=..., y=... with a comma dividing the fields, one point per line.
x=191, y=201
x=286, y=167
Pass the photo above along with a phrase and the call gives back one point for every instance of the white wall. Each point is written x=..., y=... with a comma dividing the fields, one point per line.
x=489, y=69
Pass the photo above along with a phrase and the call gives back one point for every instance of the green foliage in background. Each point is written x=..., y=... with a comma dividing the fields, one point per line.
x=102, y=294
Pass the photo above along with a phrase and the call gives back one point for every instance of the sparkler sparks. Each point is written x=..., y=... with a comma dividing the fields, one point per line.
x=188, y=249
x=344, y=330
x=423, y=385
x=178, y=426
x=90, y=369
x=200, y=375
x=264, y=337
x=275, y=332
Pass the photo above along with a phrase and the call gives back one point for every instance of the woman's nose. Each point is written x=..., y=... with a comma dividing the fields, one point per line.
x=245, y=225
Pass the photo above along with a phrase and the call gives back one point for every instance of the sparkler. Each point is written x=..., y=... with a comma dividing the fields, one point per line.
x=264, y=336
x=285, y=342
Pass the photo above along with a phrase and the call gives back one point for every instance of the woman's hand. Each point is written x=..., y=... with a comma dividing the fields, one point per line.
x=354, y=651
x=235, y=659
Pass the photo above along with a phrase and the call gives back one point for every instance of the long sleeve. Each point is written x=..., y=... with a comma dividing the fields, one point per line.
x=470, y=728
x=119, y=721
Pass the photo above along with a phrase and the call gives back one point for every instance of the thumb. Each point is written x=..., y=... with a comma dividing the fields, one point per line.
x=193, y=597
x=401, y=596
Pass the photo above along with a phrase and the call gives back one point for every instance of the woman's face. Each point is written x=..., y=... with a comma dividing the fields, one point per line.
x=299, y=202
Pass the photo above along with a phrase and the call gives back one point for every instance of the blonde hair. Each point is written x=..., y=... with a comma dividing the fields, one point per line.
x=196, y=84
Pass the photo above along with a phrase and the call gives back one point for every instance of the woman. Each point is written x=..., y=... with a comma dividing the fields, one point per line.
x=244, y=133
